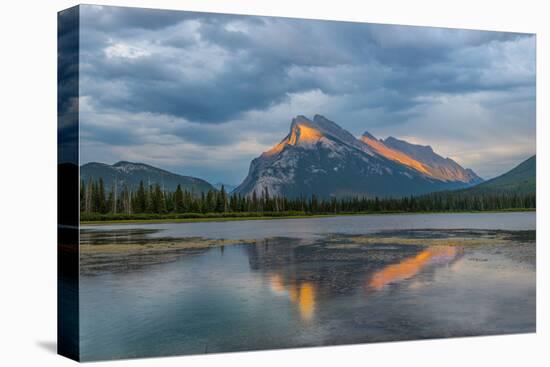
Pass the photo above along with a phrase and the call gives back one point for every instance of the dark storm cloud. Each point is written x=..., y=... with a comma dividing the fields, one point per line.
x=67, y=50
x=195, y=72
x=123, y=19
x=67, y=86
x=257, y=57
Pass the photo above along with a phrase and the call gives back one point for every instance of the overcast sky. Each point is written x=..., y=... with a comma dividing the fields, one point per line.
x=203, y=94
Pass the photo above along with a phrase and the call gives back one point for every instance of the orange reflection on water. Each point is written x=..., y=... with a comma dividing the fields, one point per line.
x=293, y=294
x=276, y=282
x=306, y=302
x=302, y=295
x=409, y=267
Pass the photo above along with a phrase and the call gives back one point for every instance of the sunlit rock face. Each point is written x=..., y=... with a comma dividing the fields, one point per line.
x=422, y=159
x=395, y=155
x=438, y=167
x=319, y=157
x=307, y=133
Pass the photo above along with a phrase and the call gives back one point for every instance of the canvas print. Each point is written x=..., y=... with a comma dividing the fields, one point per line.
x=235, y=183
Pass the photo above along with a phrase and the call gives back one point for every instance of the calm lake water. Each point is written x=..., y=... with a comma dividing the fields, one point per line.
x=312, y=282
x=314, y=227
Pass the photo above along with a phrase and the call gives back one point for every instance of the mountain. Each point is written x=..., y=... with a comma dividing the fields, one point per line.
x=519, y=180
x=436, y=166
x=132, y=173
x=319, y=157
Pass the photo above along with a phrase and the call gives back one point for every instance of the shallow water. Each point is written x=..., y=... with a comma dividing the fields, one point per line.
x=318, y=284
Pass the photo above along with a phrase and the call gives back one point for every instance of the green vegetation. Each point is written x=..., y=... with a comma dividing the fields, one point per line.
x=192, y=217
x=521, y=180
x=154, y=204
x=227, y=217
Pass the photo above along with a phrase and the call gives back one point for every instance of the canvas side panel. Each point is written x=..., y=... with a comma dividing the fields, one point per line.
x=68, y=183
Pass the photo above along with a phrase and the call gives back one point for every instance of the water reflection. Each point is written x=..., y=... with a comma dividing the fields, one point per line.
x=340, y=289
x=331, y=273
x=306, y=300
x=302, y=295
x=408, y=268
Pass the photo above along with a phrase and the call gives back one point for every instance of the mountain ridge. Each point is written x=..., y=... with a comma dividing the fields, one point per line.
x=438, y=167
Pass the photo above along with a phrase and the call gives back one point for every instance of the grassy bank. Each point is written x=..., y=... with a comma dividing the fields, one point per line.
x=98, y=219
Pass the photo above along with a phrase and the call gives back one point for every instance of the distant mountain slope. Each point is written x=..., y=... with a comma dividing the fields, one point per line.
x=521, y=180
x=436, y=166
x=393, y=154
x=132, y=173
x=421, y=158
x=319, y=157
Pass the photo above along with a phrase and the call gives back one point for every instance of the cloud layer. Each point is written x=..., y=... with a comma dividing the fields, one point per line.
x=202, y=94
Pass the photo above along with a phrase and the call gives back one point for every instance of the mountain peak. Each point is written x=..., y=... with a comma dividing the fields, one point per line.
x=327, y=125
x=368, y=135
x=127, y=163
x=302, y=130
x=305, y=132
x=301, y=119
x=129, y=166
x=320, y=119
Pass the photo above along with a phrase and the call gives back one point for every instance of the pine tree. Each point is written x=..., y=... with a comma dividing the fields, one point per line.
x=179, y=206
x=221, y=201
x=101, y=207
x=141, y=199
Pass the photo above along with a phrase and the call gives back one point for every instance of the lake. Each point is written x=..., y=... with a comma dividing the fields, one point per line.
x=192, y=288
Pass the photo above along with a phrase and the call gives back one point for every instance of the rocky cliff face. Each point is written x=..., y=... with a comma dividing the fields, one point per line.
x=423, y=159
x=319, y=157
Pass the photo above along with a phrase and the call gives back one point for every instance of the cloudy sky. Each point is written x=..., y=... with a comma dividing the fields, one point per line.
x=202, y=94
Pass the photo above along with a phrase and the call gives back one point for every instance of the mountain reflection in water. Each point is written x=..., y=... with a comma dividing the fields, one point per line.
x=282, y=292
x=410, y=267
x=302, y=295
x=331, y=272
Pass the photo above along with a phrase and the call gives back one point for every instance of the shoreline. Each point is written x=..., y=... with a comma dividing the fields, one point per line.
x=247, y=218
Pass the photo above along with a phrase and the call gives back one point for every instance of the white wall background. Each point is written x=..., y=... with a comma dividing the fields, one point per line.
x=28, y=182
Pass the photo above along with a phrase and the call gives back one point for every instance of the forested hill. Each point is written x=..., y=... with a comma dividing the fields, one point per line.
x=131, y=174
x=519, y=180
x=514, y=189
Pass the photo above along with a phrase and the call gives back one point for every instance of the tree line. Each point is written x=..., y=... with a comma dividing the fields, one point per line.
x=95, y=198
